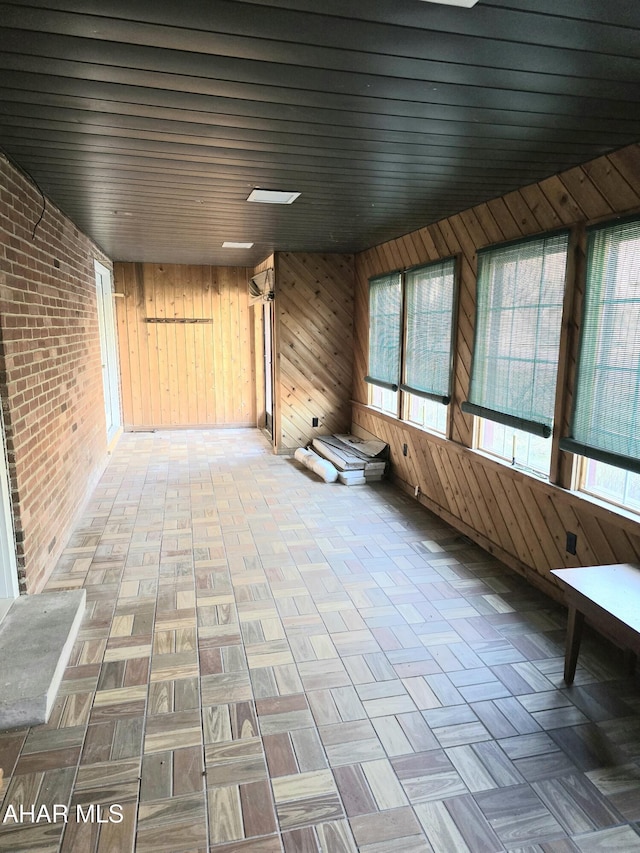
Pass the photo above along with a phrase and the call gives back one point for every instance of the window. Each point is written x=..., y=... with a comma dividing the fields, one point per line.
x=606, y=418
x=610, y=483
x=429, y=295
x=605, y=424
x=425, y=297
x=385, y=323
x=520, y=295
x=430, y=300
x=384, y=399
x=521, y=449
x=425, y=413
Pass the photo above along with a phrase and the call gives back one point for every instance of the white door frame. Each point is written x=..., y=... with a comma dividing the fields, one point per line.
x=108, y=351
x=267, y=326
x=8, y=564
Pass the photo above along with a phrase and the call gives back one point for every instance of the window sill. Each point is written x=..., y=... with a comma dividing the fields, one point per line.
x=518, y=469
x=601, y=503
x=626, y=519
x=394, y=419
x=428, y=430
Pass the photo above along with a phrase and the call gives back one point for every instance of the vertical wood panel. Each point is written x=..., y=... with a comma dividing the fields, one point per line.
x=561, y=465
x=208, y=350
x=522, y=519
x=199, y=343
x=185, y=374
x=190, y=288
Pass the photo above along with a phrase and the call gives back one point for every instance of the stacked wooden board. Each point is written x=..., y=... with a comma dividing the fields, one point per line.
x=358, y=461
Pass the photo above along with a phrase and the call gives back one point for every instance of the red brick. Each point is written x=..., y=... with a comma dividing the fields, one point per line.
x=52, y=372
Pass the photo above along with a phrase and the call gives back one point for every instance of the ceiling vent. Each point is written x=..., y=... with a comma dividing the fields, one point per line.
x=261, y=287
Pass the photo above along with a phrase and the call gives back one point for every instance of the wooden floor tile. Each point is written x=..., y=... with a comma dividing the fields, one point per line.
x=571, y=797
x=112, y=781
x=172, y=825
x=308, y=748
x=301, y=786
x=518, y=815
x=619, y=838
x=428, y=776
x=392, y=736
x=313, y=669
x=409, y=844
x=336, y=836
x=238, y=761
x=226, y=687
x=43, y=837
x=384, y=785
x=294, y=814
x=268, y=844
x=472, y=824
x=440, y=828
x=354, y=789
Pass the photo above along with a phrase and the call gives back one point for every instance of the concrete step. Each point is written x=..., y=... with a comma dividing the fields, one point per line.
x=36, y=637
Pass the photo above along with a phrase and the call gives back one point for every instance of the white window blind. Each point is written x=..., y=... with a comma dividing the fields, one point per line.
x=520, y=293
x=385, y=322
x=606, y=418
x=429, y=298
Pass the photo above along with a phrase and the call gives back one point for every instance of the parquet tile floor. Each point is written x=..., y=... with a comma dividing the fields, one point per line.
x=271, y=664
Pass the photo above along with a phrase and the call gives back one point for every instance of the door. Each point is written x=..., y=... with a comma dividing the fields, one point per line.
x=267, y=312
x=108, y=351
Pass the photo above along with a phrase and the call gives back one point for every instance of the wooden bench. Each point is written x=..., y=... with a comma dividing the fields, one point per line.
x=609, y=597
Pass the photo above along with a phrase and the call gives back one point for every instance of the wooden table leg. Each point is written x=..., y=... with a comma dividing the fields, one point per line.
x=574, y=635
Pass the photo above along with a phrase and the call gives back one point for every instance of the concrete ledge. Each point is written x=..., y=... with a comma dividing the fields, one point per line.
x=36, y=637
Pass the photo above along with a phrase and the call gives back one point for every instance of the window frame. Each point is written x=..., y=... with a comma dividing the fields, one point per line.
x=601, y=499
x=444, y=398
x=568, y=443
x=387, y=382
x=510, y=462
x=472, y=407
x=402, y=390
x=428, y=426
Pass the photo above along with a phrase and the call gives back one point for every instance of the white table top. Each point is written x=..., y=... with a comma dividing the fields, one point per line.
x=614, y=588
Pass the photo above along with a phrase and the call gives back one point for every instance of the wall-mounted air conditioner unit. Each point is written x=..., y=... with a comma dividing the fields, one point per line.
x=261, y=287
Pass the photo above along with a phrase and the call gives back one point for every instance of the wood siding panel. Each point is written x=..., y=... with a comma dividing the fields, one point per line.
x=314, y=346
x=520, y=518
x=177, y=374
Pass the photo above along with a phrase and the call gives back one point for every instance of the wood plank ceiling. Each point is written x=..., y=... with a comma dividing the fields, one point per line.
x=149, y=123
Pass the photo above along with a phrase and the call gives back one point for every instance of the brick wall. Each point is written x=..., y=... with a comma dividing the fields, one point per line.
x=50, y=372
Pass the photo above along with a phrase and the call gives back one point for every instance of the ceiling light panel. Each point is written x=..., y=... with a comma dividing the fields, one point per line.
x=465, y=4
x=272, y=196
x=233, y=244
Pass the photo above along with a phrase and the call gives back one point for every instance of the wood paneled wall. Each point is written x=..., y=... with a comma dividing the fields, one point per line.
x=186, y=345
x=313, y=346
x=519, y=518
